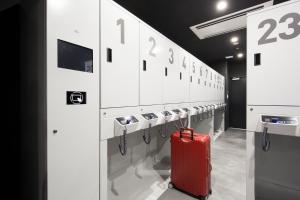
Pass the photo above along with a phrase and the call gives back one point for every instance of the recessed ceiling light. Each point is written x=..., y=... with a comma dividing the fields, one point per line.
x=228, y=57
x=234, y=39
x=235, y=78
x=222, y=5
x=240, y=55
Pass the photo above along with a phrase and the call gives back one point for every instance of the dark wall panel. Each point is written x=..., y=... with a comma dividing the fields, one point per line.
x=33, y=104
x=237, y=93
x=10, y=98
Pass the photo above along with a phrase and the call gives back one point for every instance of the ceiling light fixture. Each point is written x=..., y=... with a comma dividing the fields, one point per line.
x=228, y=57
x=234, y=39
x=235, y=78
x=240, y=55
x=222, y=5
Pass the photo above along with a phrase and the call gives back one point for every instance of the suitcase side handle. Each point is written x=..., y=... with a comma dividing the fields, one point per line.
x=187, y=129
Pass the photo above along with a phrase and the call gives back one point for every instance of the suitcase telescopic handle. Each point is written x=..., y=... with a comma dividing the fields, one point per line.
x=187, y=129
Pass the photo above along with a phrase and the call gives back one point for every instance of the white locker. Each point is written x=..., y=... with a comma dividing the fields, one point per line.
x=171, y=92
x=223, y=89
x=201, y=80
x=214, y=86
x=219, y=88
x=273, y=39
x=194, y=79
x=119, y=57
x=184, y=67
x=205, y=82
x=152, y=65
x=210, y=85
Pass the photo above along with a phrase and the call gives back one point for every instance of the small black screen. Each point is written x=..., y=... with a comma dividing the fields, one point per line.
x=74, y=57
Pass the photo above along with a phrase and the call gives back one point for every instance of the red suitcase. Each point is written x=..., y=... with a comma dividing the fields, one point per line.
x=190, y=163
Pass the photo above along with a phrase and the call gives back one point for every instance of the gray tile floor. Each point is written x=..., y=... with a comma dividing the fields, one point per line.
x=229, y=169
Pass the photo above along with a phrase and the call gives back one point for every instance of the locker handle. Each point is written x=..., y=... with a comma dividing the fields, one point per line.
x=257, y=59
x=144, y=65
x=109, y=55
x=166, y=71
x=180, y=76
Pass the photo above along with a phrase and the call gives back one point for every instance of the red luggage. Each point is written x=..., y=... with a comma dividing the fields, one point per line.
x=190, y=163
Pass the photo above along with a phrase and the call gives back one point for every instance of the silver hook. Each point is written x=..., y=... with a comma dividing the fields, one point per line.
x=147, y=140
x=123, y=143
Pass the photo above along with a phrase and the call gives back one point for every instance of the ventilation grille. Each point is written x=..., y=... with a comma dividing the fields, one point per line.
x=227, y=23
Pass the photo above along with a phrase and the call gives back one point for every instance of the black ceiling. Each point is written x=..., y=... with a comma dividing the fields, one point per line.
x=174, y=17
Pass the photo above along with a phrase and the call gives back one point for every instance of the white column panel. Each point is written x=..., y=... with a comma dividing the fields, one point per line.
x=119, y=57
x=73, y=130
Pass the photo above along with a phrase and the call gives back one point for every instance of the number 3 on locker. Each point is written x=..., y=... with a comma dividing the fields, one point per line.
x=272, y=26
x=171, y=59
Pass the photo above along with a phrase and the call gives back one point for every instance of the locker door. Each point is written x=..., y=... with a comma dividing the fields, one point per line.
x=198, y=80
x=119, y=57
x=205, y=85
x=152, y=65
x=171, y=92
x=218, y=87
x=223, y=89
x=273, y=38
x=202, y=94
x=194, y=76
x=184, y=67
x=214, y=86
x=210, y=85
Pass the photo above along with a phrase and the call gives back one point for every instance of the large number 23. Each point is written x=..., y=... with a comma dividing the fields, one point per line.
x=294, y=25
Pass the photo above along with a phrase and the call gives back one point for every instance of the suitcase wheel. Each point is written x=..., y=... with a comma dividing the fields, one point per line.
x=170, y=185
x=203, y=198
x=210, y=192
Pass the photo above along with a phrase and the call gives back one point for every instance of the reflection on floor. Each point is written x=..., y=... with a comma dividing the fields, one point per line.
x=229, y=169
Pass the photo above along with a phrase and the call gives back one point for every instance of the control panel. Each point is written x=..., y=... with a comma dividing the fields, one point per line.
x=279, y=120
